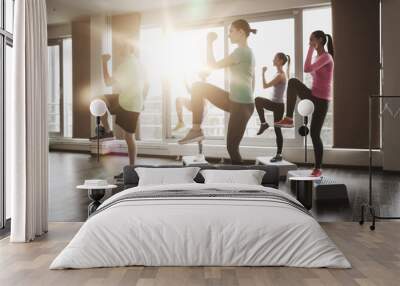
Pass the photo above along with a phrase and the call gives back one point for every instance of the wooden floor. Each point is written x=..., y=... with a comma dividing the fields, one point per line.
x=375, y=257
x=67, y=170
x=66, y=203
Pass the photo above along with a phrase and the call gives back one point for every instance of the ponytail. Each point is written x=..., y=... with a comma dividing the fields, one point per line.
x=326, y=39
x=288, y=66
x=242, y=24
x=330, y=44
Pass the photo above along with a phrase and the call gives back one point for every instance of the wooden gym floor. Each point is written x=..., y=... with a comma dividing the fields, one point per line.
x=375, y=256
x=67, y=170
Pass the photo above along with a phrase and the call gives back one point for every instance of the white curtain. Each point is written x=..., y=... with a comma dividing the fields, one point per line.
x=27, y=148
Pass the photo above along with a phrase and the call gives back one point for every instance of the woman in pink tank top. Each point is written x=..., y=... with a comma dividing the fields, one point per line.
x=321, y=70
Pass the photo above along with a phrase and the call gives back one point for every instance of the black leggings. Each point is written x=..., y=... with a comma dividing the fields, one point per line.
x=239, y=114
x=297, y=89
x=277, y=109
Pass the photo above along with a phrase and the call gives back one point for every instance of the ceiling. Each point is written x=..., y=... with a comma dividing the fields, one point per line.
x=62, y=11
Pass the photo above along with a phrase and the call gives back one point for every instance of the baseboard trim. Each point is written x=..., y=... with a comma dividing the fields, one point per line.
x=332, y=156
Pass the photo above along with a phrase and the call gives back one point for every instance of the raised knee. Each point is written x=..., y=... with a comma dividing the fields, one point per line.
x=257, y=100
x=197, y=87
x=292, y=81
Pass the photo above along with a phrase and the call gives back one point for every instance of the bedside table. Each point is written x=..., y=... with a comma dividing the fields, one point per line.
x=304, y=189
x=96, y=190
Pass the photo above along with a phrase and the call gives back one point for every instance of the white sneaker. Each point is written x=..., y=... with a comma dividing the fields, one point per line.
x=192, y=136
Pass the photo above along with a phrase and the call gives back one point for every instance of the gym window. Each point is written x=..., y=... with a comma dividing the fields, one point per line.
x=176, y=54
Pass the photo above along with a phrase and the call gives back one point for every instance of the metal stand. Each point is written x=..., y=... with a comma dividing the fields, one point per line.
x=304, y=193
x=98, y=137
x=303, y=131
x=369, y=207
x=305, y=122
x=95, y=195
x=200, y=156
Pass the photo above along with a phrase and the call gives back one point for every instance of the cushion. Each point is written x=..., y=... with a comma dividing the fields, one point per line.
x=248, y=177
x=166, y=176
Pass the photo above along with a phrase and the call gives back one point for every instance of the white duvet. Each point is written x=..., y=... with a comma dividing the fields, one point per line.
x=200, y=231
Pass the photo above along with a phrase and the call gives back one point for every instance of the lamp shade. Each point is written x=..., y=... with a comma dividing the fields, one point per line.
x=98, y=107
x=305, y=107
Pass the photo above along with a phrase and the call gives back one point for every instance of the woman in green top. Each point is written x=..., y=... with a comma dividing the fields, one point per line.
x=130, y=88
x=239, y=101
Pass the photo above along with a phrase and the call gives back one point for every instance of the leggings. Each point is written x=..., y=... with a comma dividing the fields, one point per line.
x=278, y=110
x=240, y=114
x=297, y=89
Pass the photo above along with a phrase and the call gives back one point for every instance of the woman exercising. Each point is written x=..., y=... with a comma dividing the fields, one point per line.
x=321, y=71
x=129, y=82
x=276, y=103
x=183, y=101
x=180, y=103
x=239, y=101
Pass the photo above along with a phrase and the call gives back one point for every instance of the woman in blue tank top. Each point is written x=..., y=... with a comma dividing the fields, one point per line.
x=276, y=103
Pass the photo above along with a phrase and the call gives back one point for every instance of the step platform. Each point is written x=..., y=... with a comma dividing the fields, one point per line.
x=326, y=188
x=284, y=166
x=197, y=160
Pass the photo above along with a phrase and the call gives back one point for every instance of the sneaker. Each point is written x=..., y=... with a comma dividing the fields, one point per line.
x=178, y=126
x=263, y=126
x=192, y=136
x=285, y=123
x=101, y=131
x=108, y=134
x=316, y=173
x=277, y=158
x=105, y=135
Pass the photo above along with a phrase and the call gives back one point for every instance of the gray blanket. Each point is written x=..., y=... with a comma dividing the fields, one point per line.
x=206, y=194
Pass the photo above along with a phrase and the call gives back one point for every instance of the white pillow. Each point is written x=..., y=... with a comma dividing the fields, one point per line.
x=166, y=176
x=248, y=177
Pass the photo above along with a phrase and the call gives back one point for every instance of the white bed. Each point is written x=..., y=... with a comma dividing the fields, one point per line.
x=207, y=230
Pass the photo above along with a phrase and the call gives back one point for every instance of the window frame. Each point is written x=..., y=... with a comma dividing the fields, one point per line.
x=332, y=102
x=6, y=39
x=167, y=124
x=59, y=42
x=296, y=15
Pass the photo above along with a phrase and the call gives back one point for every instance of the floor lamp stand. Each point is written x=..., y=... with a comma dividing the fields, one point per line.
x=305, y=123
x=98, y=137
x=370, y=207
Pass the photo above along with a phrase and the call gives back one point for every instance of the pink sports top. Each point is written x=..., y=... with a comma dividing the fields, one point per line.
x=321, y=71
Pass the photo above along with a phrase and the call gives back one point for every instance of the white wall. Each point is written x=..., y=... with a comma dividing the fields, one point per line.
x=219, y=10
x=391, y=83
